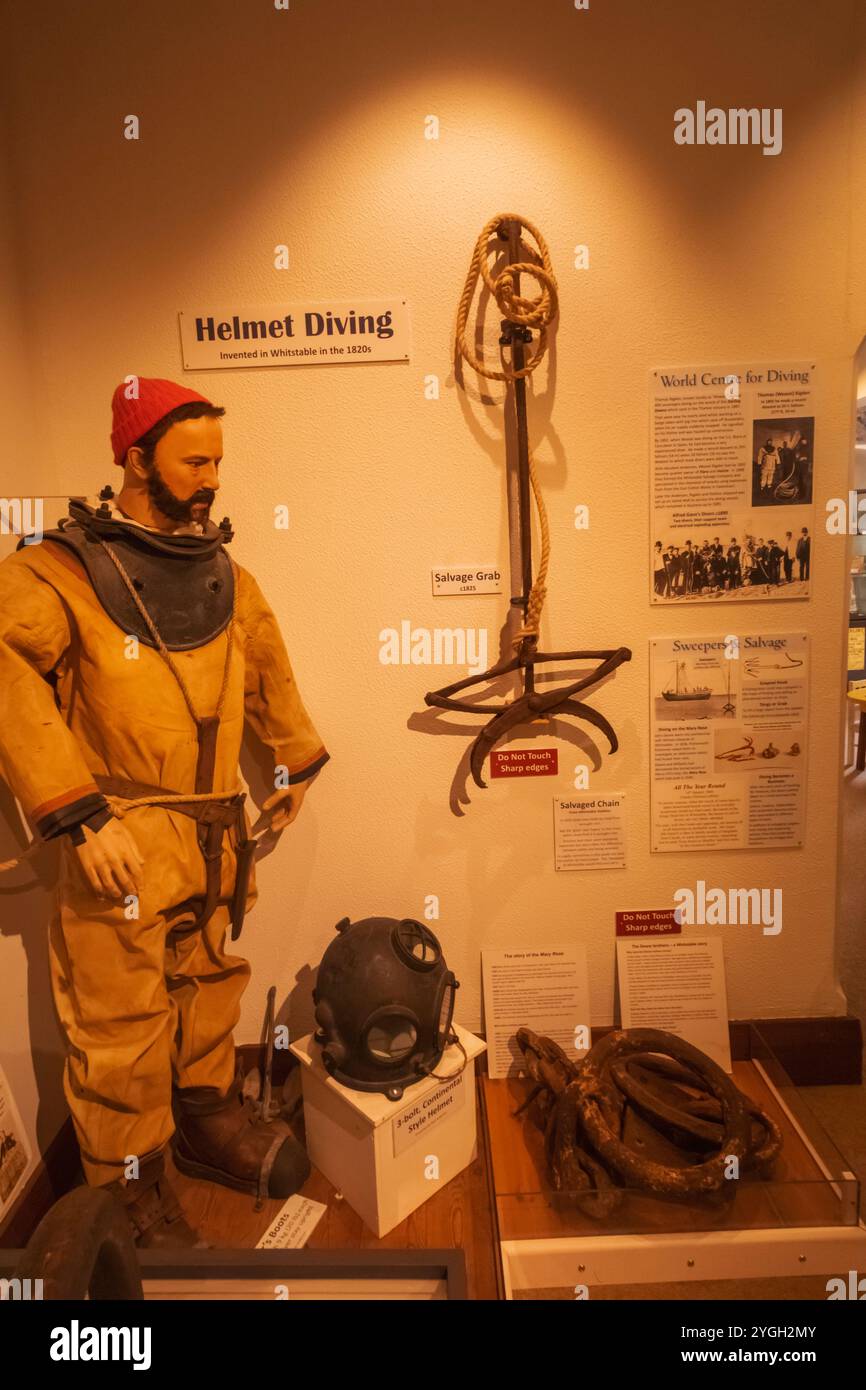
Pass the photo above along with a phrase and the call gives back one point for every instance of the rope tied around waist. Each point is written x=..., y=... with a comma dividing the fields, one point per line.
x=530, y=313
x=120, y=805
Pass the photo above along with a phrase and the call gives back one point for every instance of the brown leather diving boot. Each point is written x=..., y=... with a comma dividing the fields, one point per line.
x=223, y=1139
x=153, y=1210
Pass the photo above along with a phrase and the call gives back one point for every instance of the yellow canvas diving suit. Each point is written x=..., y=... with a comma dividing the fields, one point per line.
x=146, y=993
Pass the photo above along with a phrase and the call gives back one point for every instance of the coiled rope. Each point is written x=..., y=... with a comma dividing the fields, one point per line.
x=538, y=313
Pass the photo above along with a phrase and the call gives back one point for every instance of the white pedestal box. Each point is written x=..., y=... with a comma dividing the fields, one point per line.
x=387, y=1157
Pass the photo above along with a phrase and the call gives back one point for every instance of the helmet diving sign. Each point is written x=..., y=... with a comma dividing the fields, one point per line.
x=297, y=334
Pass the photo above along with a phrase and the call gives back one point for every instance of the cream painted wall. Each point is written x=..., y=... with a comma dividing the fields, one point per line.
x=307, y=127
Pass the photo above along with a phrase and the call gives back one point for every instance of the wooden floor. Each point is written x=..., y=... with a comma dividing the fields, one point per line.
x=510, y=1171
x=459, y=1216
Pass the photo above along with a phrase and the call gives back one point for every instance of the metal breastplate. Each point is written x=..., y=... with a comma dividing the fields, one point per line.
x=188, y=590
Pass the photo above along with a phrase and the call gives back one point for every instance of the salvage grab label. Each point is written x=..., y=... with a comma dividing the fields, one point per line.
x=412, y=1123
x=467, y=579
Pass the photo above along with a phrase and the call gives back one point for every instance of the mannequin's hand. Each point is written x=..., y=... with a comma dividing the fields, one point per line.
x=287, y=801
x=111, y=861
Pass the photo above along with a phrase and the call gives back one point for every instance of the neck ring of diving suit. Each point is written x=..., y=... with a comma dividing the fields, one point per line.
x=184, y=580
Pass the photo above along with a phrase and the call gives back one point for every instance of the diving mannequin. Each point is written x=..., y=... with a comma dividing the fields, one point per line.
x=133, y=650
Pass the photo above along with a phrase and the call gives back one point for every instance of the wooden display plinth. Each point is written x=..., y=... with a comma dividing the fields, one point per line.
x=387, y=1157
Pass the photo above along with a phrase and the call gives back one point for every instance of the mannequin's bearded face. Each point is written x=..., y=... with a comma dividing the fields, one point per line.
x=184, y=477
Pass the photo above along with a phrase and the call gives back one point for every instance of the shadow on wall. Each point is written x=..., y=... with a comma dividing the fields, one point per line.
x=296, y=1010
x=26, y=909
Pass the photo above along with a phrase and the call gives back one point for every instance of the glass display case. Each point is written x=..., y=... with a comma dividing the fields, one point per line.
x=803, y=1222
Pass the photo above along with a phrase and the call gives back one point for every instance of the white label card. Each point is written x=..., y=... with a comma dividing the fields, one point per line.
x=467, y=579
x=730, y=733
x=545, y=989
x=677, y=983
x=302, y=333
x=589, y=831
x=410, y=1124
x=294, y=1224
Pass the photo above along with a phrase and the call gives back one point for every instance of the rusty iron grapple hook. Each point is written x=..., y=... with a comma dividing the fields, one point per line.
x=523, y=315
x=532, y=704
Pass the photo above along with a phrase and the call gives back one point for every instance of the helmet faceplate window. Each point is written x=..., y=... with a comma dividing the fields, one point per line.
x=391, y=1037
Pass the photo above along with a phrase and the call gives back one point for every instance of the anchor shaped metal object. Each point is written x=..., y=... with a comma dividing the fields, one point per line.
x=530, y=704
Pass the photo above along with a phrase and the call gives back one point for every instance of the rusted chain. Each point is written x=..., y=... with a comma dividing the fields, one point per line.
x=582, y=1106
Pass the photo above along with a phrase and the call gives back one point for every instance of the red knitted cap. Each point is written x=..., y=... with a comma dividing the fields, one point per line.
x=137, y=405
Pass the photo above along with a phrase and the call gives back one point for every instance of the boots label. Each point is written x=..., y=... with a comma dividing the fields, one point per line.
x=294, y=1225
